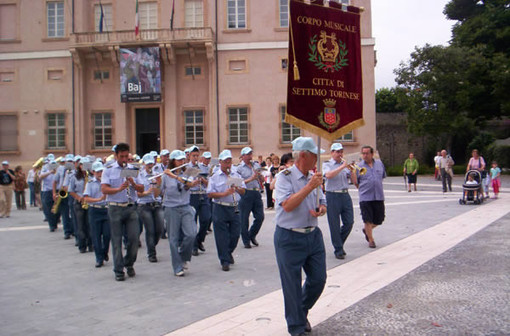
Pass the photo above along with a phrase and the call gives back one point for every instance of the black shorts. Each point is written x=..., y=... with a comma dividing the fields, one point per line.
x=411, y=178
x=372, y=212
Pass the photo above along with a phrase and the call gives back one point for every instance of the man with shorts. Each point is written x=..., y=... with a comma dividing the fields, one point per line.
x=371, y=195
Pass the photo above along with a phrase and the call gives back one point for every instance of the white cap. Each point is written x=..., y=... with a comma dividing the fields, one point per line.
x=246, y=150
x=226, y=154
x=77, y=158
x=194, y=148
x=5, y=162
x=164, y=152
x=97, y=166
x=177, y=155
x=207, y=155
x=148, y=159
x=336, y=146
x=305, y=144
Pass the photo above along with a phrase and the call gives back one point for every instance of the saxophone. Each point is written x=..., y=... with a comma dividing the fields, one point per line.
x=61, y=195
x=85, y=205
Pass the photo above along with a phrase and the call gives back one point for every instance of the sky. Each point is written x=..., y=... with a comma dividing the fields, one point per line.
x=400, y=25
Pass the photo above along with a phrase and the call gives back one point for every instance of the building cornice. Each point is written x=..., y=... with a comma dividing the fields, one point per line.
x=12, y=56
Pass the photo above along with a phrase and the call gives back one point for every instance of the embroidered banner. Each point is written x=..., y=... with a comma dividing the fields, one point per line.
x=325, y=90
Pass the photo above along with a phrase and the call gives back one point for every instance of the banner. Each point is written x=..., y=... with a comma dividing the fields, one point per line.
x=325, y=90
x=140, y=75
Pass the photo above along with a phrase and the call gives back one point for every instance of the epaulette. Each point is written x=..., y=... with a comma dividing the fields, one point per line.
x=286, y=172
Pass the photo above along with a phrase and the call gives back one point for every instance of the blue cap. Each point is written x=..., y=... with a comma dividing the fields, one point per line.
x=246, y=150
x=97, y=166
x=164, y=152
x=77, y=158
x=177, y=155
x=148, y=159
x=337, y=146
x=305, y=144
x=207, y=155
x=69, y=157
x=226, y=154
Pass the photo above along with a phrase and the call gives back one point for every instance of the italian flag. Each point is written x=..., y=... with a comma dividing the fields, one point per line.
x=137, y=21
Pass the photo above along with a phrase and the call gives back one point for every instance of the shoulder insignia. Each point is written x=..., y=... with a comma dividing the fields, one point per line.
x=286, y=172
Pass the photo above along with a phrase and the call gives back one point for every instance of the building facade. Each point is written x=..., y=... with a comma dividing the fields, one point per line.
x=223, y=67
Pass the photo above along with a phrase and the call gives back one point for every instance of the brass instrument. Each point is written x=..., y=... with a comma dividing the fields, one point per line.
x=38, y=163
x=61, y=195
x=85, y=205
x=354, y=167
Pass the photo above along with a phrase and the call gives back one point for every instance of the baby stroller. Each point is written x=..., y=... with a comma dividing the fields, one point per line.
x=469, y=189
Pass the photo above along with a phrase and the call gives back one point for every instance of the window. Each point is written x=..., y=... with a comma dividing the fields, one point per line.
x=289, y=132
x=55, y=74
x=101, y=75
x=107, y=18
x=194, y=127
x=194, y=13
x=148, y=12
x=56, y=131
x=7, y=76
x=8, y=133
x=55, y=17
x=102, y=130
x=348, y=137
x=238, y=125
x=284, y=62
x=236, y=14
x=8, y=22
x=192, y=71
x=237, y=65
x=284, y=13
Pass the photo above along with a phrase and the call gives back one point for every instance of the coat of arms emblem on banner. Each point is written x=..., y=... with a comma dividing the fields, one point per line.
x=327, y=54
x=329, y=118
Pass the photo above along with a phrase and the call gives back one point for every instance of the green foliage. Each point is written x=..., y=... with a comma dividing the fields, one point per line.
x=480, y=142
x=386, y=100
x=501, y=154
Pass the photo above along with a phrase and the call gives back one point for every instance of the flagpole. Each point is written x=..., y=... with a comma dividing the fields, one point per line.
x=318, y=170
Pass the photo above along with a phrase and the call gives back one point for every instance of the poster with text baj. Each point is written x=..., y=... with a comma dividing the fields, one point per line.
x=325, y=90
x=140, y=75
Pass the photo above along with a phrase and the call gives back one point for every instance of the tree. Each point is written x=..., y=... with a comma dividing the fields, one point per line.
x=386, y=100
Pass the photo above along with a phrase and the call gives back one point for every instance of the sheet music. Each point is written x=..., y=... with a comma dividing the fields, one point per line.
x=191, y=172
x=129, y=173
x=235, y=181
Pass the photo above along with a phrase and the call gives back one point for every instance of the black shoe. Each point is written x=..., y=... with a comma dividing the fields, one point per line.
x=308, y=326
x=120, y=277
x=131, y=272
x=247, y=245
x=201, y=247
x=106, y=258
x=163, y=236
x=232, y=261
x=339, y=256
x=194, y=252
x=67, y=236
x=225, y=267
x=83, y=250
x=139, y=243
x=153, y=259
x=52, y=230
x=91, y=248
x=254, y=241
x=99, y=264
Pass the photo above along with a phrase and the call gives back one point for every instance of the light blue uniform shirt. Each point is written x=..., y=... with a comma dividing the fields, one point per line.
x=204, y=170
x=289, y=182
x=111, y=176
x=76, y=186
x=93, y=189
x=143, y=178
x=174, y=193
x=370, y=184
x=67, y=176
x=246, y=172
x=340, y=181
x=218, y=184
x=59, y=176
x=47, y=182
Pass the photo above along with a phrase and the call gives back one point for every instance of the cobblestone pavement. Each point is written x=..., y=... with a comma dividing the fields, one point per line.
x=48, y=288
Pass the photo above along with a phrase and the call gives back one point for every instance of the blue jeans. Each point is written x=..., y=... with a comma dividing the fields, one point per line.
x=153, y=220
x=202, y=208
x=83, y=234
x=226, y=231
x=64, y=213
x=179, y=221
x=251, y=201
x=32, y=193
x=123, y=219
x=339, y=206
x=100, y=232
x=297, y=251
x=47, y=203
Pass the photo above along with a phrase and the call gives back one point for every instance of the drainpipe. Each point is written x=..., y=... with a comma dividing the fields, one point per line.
x=72, y=83
x=217, y=78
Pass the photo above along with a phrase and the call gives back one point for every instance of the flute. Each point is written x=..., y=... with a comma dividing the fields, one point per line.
x=163, y=173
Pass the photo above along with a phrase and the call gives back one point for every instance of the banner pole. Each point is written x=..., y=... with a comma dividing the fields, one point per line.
x=319, y=169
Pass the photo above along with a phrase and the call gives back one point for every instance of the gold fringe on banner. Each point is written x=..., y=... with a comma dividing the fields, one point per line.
x=322, y=132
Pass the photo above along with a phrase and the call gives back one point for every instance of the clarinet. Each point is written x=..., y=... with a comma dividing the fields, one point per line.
x=128, y=191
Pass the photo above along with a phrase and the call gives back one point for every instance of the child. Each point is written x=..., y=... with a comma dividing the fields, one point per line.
x=471, y=180
x=495, y=176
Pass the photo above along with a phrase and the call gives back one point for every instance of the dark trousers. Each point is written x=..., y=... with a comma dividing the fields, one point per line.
x=295, y=252
x=20, y=200
x=339, y=206
x=153, y=218
x=251, y=201
x=269, y=195
x=123, y=219
x=226, y=231
x=82, y=219
x=447, y=179
x=47, y=203
x=65, y=215
x=32, y=193
x=203, y=213
x=100, y=232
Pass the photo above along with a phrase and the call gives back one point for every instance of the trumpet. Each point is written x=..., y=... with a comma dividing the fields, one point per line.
x=354, y=167
x=61, y=195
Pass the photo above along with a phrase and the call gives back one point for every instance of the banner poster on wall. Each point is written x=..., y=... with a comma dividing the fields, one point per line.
x=325, y=90
x=140, y=75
